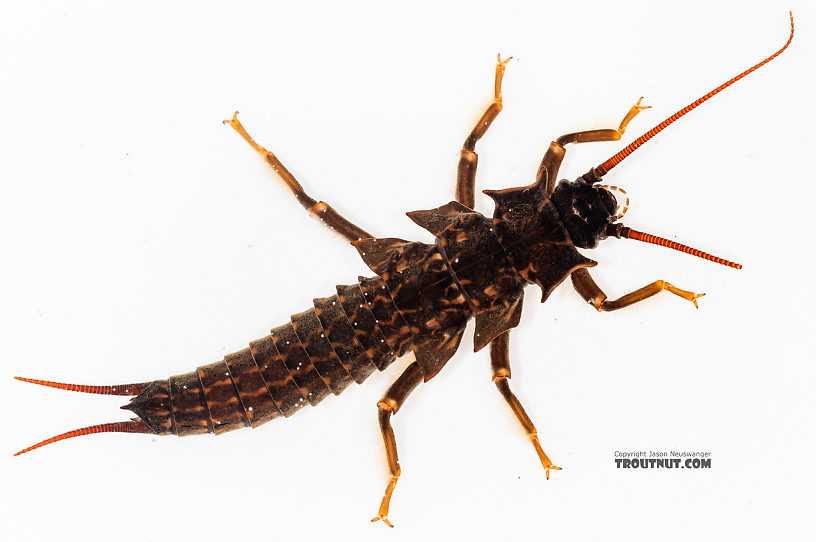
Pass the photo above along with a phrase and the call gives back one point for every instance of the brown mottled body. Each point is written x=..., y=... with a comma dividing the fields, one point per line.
x=341, y=335
x=297, y=361
x=321, y=354
x=278, y=381
x=393, y=325
x=420, y=300
x=492, y=287
x=256, y=400
x=188, y=412
x=365, y=325
x=425, y=295
x=322, y=350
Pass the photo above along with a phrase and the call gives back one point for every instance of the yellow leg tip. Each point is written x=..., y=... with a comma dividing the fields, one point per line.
x=384, y=519
x=382, y=514
x=690, y=296
x=545, y=461
x=551, y=467
x=232, y=120
x=641, y=107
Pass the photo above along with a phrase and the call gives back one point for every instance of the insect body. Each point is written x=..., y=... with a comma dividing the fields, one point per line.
x=419, y=300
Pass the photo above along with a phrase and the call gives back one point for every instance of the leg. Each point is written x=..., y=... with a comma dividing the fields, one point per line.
x=389, y=405
x=468, y=159
x=500, y=363
x=555, y=154
x=584, y=285
x=320, y=209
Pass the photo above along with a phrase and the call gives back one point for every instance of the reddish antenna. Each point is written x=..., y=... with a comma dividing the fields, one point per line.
x=604, y=168
x=629, y=233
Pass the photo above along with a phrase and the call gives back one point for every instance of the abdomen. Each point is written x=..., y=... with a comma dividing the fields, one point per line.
x=342, y=339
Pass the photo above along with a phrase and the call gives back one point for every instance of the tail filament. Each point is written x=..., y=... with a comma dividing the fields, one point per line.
x=124, y=389
x=113, y=427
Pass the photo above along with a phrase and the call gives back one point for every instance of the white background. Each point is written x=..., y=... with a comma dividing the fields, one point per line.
x=142, y=238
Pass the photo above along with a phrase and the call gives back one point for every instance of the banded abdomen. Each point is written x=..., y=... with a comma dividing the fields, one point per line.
x=420, y=300
x=320, y=351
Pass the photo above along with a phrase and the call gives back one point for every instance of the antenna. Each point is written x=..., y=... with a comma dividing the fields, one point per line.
x=604, y=168
x=629, y=233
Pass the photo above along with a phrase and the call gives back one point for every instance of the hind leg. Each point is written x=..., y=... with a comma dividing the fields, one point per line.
x=320, y=209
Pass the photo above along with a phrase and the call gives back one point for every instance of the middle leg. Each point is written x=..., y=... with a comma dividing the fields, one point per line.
x=500, y=364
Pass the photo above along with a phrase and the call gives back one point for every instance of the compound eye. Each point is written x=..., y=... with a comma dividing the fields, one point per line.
x=616, y=209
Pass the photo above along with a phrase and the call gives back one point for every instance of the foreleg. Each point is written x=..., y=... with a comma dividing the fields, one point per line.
x=555, y=153
x=592, y=293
